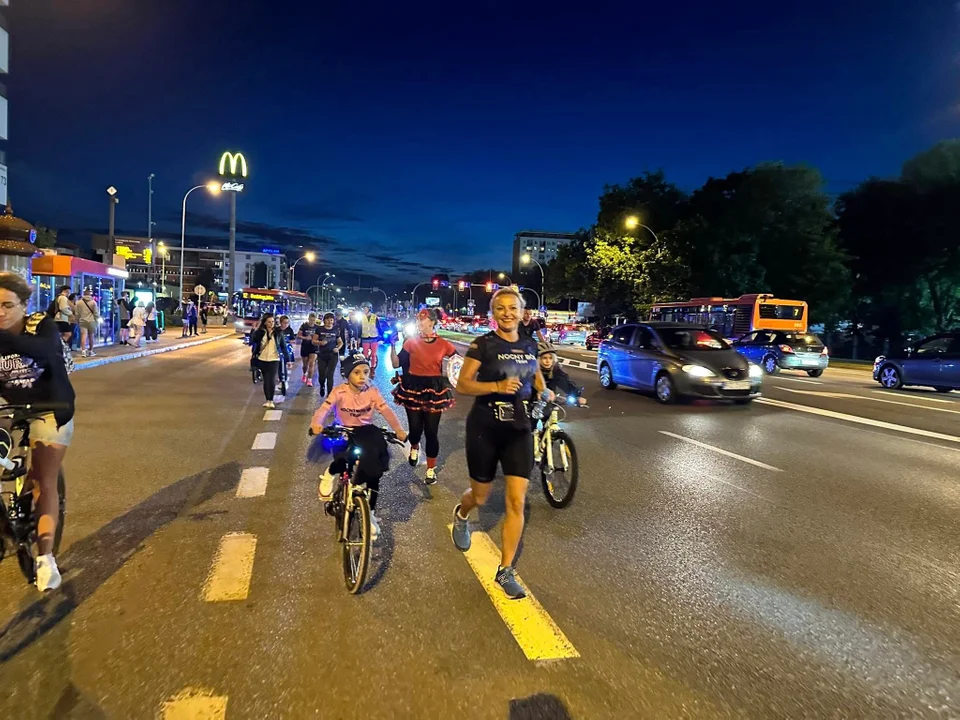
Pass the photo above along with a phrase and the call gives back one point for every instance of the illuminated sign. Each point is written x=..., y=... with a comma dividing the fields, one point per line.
x=33, y=235
x=232, y=187
x=258, y=296
x=433, y=302
x=117, y=272
x=270, y=251
x=237, y=162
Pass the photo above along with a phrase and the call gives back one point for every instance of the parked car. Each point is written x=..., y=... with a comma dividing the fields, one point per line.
x=773, y=350
x=675, y=360
x=593, y=340
x=935, y=361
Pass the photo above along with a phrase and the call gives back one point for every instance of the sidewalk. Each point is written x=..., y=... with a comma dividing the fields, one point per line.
x=167, y=342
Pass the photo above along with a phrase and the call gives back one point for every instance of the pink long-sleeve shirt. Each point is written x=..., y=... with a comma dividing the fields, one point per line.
x=354, y=409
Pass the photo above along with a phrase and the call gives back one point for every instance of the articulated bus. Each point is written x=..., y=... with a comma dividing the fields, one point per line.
x=250, y=303
x=735, y=317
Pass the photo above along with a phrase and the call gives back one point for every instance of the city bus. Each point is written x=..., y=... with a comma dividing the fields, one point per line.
x=250, y=303
x=735, y=317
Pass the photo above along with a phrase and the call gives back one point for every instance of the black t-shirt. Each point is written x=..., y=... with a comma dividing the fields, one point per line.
x=308, y=330
x=500, y=359
x=529, y=331
x=288, y=334
x=327, y=340
x=32, y=370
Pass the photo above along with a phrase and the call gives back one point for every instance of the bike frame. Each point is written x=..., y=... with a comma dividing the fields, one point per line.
x=544, y=439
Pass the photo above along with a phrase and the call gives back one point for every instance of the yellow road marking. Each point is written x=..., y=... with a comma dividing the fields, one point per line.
x=195, y=704
x=534, y=630
x=229, y=577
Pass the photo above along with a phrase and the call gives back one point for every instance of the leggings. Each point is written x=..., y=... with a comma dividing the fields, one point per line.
x=370, y=346
x=326, y=367
x=151, y=329
x=271, y=371
x=422, y=422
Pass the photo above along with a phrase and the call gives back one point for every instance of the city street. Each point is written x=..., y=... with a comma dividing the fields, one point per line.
x=792, y=558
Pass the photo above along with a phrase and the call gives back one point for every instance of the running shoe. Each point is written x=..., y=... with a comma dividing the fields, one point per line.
x=48, y=575
x=431, y=478
x=303, y=378
x=507, y=580
x=269, y=405
x=374, y=527
x=309, y=382
x=461, y=530
x=327, y=482
x=414, y=457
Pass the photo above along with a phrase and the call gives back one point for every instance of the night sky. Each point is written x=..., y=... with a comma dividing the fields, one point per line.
x=403, y=138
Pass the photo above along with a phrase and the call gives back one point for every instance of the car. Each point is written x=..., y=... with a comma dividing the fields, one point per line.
x=593, y=340
x=935, y=362
x=774, y=350
x=677, y=360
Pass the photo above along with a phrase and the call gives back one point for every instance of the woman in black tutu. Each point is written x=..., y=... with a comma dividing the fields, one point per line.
x=423, y=390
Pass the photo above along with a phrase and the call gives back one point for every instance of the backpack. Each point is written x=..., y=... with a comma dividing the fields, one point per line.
x=33, y=324
x=52, y=308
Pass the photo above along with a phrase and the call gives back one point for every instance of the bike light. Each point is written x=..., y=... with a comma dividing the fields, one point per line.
x=571, y=400
x=697, y=371
x=333, y=444
x=755, y=371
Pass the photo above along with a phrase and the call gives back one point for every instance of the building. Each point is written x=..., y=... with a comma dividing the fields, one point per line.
x=4, y=69
x=266, y=268
x=541, y=246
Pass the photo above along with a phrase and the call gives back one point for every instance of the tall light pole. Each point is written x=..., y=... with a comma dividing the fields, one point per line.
x=163, y=270
x=214, y=189
x=528, y=258
x=633, y=222
x=504, y=276
x=150, y=178
x=327, y=279
x=309, y=256
x=111, y=238
x=413, y=295
x=526, y=289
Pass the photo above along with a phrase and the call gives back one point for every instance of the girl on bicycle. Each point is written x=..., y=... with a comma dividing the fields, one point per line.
x=555, y=377
x=33, y=371
x=424, y=390
x=354, y=403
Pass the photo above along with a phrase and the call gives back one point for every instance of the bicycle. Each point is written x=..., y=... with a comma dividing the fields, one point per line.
x=350, y=508
x=554, y=450
x=18, y=526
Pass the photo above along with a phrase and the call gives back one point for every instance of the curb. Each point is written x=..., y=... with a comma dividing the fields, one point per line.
x=146, y=353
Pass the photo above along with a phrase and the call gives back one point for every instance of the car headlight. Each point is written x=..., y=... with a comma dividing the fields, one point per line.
x=697, y=371
x=409, y=329
x=755, y=371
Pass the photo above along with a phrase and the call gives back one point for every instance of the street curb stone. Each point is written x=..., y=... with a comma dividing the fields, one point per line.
x=145, y=353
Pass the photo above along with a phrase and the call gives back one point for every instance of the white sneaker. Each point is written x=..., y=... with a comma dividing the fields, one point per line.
x=431, y=476
x=374, y=527
x=327, y=481
x=83, y=353
x=414, y=457
x=48, y=575
x=269, y=405
x=91, y=353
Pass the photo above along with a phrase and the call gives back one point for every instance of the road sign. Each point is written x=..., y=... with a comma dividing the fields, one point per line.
x=200, y=290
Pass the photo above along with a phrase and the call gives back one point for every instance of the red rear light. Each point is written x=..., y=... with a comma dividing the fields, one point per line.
x=786, y=349
x=824, y=351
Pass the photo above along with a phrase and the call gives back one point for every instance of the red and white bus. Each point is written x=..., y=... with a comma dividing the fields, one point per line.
x=250, y=303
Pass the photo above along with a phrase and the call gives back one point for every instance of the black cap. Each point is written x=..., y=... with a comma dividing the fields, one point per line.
x=351, y=361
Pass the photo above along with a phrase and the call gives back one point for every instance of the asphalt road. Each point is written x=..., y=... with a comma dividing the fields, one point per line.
x=789, y=559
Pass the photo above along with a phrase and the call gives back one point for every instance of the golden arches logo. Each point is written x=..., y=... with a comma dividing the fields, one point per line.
x=237, y=161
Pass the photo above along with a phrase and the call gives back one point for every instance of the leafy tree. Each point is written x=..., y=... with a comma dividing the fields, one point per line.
x=658, y=203
x=46, y=237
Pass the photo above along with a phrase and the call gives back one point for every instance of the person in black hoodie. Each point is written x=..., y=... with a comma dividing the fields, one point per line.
x=32, y=370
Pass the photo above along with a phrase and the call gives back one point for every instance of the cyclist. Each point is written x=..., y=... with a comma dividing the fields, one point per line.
x=268, y=349
x=531, y=327
x=32, y=370
x=370, y=336
x=424, y=390
x=555, y=377
x=354, y=403
x=328, y=343
x=308, y=351
x=501, y=371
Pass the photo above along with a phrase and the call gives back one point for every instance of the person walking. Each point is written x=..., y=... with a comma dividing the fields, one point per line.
x=500, y=370
x=328, y=343
x=370, y=336
x=268, y=348
x=138, y=321
x=531, y=327
x=126, y=310
x=63, y=314
x=88, y=316
x=151, y=328
x=345, y=331
x=423, y=390
x=203, y=318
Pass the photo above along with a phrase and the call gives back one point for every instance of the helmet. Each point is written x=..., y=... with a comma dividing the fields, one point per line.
x=366, y=306
x=545, y=348
x=351, y=361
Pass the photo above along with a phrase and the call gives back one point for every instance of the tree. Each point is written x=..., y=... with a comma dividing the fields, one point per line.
x=658, y=203
x=46, y=237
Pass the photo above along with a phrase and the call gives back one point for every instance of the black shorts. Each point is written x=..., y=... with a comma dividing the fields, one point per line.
x=307, y=348
x=64, y=327
x=124, y=324
x=490, y=441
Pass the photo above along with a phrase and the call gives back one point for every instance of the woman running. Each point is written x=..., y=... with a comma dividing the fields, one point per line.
x=501, y=371
x=424, y=390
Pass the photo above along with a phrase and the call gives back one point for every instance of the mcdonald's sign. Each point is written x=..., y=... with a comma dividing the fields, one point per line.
x=237, y=163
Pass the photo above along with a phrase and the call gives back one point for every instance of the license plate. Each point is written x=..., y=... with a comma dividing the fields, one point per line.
x=737, y=385
x=811, y=362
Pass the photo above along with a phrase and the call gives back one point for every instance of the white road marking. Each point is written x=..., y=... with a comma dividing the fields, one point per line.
x=265, y=441
x=916, y=395
x=799, y=380
x=229, y=577
x=721, y=451
x=859, y=420
x=195, y=704
x=848, y=396
x=253, y=482
x=272, y=415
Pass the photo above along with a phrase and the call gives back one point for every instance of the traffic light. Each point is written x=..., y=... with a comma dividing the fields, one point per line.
x=436, y=284
x=489, y=287
x=463, y=285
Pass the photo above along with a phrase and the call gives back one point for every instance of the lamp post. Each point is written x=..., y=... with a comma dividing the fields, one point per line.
x=309, y=256
x=527, y=259
x=111, y=239
x=413, y=295
x=535, y=293
x=504, y=276
x=163, y=266
x=214, y=189
x=323, y=285
x=150, y=223
x=633, y=222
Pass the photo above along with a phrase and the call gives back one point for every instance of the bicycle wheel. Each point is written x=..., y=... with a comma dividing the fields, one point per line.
x=62, y=493
x=560, y=485
x=356, y=548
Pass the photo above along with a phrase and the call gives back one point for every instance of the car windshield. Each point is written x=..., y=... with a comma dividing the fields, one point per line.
x=694, y=339
x=802, y=339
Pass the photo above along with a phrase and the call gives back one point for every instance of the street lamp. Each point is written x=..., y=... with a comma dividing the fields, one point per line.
x=413, y=295
x=112, y=243
x=309, y=256
x=503, y=276
x=633, y=222
x=527, y=289
x=163, y=269
x=214, y=189
x=327, y=279
x=526, y=260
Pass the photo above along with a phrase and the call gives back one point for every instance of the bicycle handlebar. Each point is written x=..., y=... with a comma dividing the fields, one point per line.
x=333, y=431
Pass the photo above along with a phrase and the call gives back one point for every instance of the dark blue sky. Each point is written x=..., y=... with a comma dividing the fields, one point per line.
x=430, y=132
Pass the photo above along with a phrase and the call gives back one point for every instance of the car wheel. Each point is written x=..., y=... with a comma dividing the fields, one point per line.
x=770, y=365
x=814, y=373
x=890, y=377
x=943, y=389
x=666, y=391
x=606, y=378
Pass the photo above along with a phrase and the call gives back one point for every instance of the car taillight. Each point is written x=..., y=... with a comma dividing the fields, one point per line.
x=824, y=351
x=786, y=349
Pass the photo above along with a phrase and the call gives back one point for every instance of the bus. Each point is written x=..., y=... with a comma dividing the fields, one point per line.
x=250, y=303
x=735, y=317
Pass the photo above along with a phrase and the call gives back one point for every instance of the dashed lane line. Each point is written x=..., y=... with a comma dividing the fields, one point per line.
x=914, y=396
x=721, y=451
x=532, y=627
x=799, y=380
x=272, y=415
x=265, y=441
x=232, y=568
x=253, y=482
x=195, y=704
x=849, y=396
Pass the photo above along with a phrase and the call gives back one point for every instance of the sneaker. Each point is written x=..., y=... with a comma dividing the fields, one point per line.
x=461, y=530
x=431, y=478
x=507, y=579
x=303, y=378
x=374, y=527
x=414, y=457
x=83, y=353
x=48, y=575
x=91, y=353
x=309, y=382
x=327, y=482
x=269, y=405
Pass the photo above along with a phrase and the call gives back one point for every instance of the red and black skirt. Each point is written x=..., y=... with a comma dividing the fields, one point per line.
x=419, y=392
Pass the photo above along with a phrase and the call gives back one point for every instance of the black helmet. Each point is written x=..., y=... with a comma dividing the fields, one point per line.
x=351, y=361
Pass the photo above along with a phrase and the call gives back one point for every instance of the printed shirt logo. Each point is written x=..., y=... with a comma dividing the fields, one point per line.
x=18, y=372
